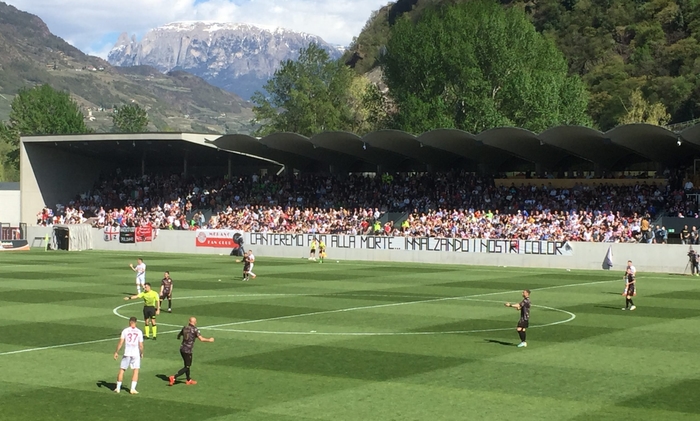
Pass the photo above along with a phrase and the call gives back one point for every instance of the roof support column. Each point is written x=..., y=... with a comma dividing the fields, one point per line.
x=184, y=167
x=230, y=168
x=538, y=169
x=597, y=170
x=143, y=164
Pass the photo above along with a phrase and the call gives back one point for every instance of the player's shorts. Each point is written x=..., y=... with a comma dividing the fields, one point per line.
x=246, y=267
x=250, y=269
x=186, y=358
x=141, y=279
x=523, y=324
x=166, y=294
x=149, y=312
x=133, y=363
x=631, y=289
x=313, y=250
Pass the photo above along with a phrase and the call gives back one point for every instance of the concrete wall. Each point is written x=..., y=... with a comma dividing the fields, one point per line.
x=9, y=203
x=48, y=176
x=667, y=258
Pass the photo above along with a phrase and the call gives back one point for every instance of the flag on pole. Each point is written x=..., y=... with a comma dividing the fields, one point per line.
x=608, y=261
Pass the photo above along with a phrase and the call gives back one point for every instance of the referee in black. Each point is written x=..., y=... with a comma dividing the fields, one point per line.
x=524, y=322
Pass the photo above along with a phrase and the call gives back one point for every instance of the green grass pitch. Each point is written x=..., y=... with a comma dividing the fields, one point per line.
x=347, y=341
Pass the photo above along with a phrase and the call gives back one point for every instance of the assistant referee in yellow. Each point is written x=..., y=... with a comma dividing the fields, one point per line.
x=151, y=308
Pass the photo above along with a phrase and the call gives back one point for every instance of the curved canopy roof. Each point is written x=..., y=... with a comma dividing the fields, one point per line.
x=494, y=148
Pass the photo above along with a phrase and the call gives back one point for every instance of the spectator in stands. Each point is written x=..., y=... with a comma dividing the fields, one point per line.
x=460, y=205
x=685, y=235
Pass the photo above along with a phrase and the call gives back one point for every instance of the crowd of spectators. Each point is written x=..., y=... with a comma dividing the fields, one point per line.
x=440, y=204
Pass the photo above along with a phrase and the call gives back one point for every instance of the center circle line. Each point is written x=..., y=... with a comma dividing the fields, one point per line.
x=221, y=327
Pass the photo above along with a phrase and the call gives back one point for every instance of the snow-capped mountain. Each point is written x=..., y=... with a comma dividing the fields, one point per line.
x=237, y=57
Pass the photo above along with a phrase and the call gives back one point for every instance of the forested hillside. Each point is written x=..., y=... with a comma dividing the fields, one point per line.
x=635, y=57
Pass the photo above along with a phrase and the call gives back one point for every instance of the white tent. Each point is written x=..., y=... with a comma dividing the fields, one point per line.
x=72, y=237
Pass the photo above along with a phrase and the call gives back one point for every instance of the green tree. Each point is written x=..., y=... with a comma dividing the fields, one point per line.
x=640, y=110
x=40, y=110
x=9, y=170
x=129, y=118
x=368, y=106
x=475, y=66
x=306, y=96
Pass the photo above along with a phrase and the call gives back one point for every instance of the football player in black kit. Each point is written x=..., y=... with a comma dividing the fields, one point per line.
x=630, y=286
x=524, y=322
x=188, y=334
x=166, y=290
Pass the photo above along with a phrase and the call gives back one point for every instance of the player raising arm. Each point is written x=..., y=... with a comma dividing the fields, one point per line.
x=151, y=308
x=140, y=270
x=524, y=322
x=188, y=334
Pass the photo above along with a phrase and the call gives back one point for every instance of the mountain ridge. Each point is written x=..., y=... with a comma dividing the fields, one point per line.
x=30, y=54
x=237, y=57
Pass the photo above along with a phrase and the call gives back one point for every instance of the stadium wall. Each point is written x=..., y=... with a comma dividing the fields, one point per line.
x=48, y=175
x=9, y=203
x=667, y=258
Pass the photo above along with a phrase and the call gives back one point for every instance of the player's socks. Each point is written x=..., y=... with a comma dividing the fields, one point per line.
x=170, y=304
x=133, y=386
x=631, y=302
x=522, y=335
x=155, y=331
x=148, y=331
x=182, y=371
x=119, y=387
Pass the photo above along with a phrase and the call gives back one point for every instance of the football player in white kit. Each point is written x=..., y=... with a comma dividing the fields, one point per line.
x=140, y=270
x=249, y=262
x=132, y=339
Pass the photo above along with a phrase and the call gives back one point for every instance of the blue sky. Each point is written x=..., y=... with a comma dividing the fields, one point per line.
x=95, y=26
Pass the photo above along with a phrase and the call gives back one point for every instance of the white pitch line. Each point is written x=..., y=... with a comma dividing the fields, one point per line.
x=302, y=315
x=342, y=310
x=432, y=300
x=20, y=351
x=572, y=316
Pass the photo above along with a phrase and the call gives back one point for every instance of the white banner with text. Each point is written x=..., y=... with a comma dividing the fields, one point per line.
x=234, y=239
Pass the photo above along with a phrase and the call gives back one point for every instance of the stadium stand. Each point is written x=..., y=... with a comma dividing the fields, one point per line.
x=454, y=204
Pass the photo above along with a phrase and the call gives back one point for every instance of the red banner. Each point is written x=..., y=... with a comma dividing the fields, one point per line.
x=225, y=239
x=145, y=234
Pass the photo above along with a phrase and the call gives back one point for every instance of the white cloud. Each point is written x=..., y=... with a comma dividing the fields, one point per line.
x=87, y=24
